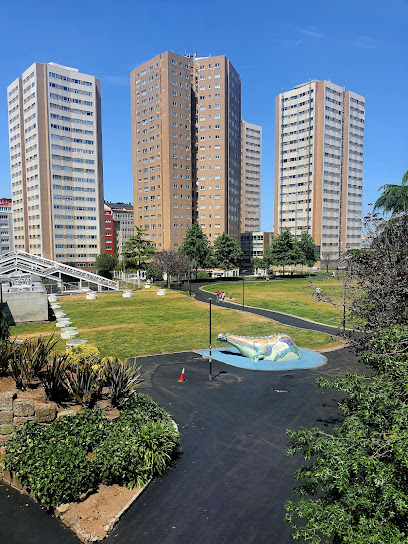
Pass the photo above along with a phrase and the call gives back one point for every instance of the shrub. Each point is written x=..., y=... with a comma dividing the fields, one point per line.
x=54, y=379
x=201, y=275
x=29, y=358
x=121, y=378
x=148, y=439
x=54, y=462
x=5, y=355
x=76, y=453
x=84, y=373
x=4, y=327
x=84, y=353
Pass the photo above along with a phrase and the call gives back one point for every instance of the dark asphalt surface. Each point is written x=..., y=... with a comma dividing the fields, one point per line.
x=277, y=316
x=232, y=477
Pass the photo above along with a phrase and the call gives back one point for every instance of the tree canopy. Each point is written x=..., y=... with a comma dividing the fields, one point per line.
x=307, y=248
x=227, y=253
x=137, y=251
x=196, y=247
x=169, y=262
x=105, y=264
x=284, y=250
x=354, y=487
x=394, y=199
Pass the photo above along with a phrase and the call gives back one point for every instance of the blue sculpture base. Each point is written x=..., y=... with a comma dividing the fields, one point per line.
x=231, y=356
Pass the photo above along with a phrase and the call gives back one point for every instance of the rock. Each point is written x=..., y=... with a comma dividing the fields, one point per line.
x=6, y=417
x=6, y=401
x=2, y=452
x=23, y=408
x=103, y=404
x=6, y=476
x=16, y=482
x=64, y=413
x=6, y=429
x=19, y=421
x=62, y=508
x=4, y=439
x=45, y=413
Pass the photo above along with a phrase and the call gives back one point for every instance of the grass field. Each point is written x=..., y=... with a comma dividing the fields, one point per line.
x=295, y=296
x=147, y=324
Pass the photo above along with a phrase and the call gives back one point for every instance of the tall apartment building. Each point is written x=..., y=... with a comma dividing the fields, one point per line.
x=186, y=147
x=319, y=151
x=6, y=226
x=56, y=163
x=251, y=168
x=217, y=146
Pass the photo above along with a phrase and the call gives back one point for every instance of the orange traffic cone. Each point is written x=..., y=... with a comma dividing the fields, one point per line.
x=182, y=376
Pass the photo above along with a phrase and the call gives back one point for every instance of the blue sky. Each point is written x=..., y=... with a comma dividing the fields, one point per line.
x=274, y=45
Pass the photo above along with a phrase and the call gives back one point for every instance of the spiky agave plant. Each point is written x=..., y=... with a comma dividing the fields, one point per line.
x=121, y=377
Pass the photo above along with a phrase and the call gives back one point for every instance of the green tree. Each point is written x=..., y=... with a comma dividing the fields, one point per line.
x=394, y=199
x=284, y=250
x=308, y=249
x=105, y=264
x=137, y=251
x=377, y=277
x=354, y=487
x=196, y=247
x=227, y=253
x=259, y=262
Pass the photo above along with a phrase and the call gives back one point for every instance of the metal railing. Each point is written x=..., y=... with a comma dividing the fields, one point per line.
x=21, y=260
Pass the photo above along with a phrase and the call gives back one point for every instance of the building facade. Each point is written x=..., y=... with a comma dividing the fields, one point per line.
x=109, y=235
x=319, y=153
x=254, y=244
x=55, y=140
x=6, y=226
x=186, y=137
x=217, y=146
x=123, y=224
x=251, y=171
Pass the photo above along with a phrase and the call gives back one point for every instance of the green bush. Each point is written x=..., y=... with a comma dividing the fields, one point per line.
x=54, y=462
x=29, y=358
x=387, y=349
x=121, y=378
x=4, y=327
x=77, y=453
x=201, y=275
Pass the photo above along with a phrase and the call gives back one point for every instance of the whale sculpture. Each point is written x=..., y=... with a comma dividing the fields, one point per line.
x=278, y=347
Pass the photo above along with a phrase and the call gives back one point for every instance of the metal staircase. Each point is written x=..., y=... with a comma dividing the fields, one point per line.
x=26, y=262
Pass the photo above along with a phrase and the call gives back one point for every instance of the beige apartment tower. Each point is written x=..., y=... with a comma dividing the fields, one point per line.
x=55, y=140
x=186, y=147
x=319, y=153
x=251, y=170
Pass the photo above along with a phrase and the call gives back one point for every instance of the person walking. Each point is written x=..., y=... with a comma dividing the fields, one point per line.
x=318, y=293
x=217, y=295
x=223, y=296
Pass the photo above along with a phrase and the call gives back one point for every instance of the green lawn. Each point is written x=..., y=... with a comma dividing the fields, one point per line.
x=148, y=324
x=295, y=296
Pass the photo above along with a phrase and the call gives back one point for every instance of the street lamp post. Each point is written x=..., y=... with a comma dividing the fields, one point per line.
x=210, y=351
x=243, y=289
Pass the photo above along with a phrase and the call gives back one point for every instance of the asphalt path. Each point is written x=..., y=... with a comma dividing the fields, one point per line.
x=232, y=477
x=285, y=319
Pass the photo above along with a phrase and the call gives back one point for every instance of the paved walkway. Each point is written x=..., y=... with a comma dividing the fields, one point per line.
x=232, y=477
x=293, y=321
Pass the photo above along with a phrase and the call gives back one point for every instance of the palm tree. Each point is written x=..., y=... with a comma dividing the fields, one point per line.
x=394, y=198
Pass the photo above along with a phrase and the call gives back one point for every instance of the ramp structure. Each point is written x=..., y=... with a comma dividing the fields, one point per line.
x=22, y=261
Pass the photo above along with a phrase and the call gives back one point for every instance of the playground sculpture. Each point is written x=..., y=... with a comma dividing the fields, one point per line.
x=278, y=347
